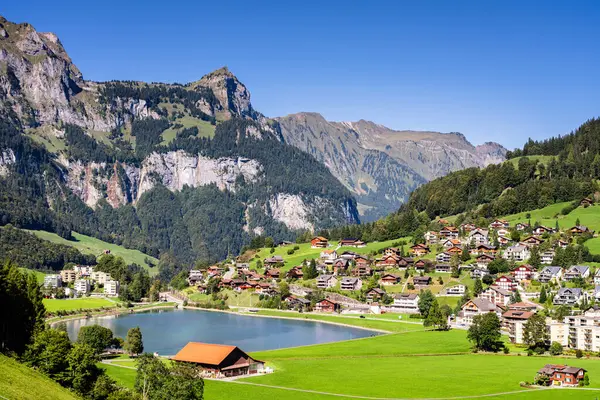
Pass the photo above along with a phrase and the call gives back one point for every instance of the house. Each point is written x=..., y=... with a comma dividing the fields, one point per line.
x=392, y=251
x=319, y=242
x=499, y=223
x=68, y=275
x=421, y=280
x=352, y=243
x=272, y=261
x=431, y=237
x=503, y=240
x=456, y=290
x=473, y=307
x=242, y=267
x=327, y=305
x=531, y=241
x=295, y=273
x=111, y=288
x=444, y=257
x=523, y=272
x=561, y=375
x=577, y=271
x=513, y=323
x=52, y=281
x=547, y=257
x=454, y=250
x=479, y=236
x=522, y=226
x=387, y=261
x=349, y=255
x=517, y=253
x=328, y=255
x=83, y=271
x=348, y=283
x=443, y=268
x=483, y=260
x=540, y=230
x=340, y=266
x=579, y=230
x=483, y=249
x=496, y=295
x=448, y=243
x=326, y=281
x=405, y=262
x=421, y=265
x=479, y=272
x=297, y=303
x=219, y=361
x=195, y=276
x=389, y=279
x=362, y=270
x=273, y=273
x=502, y=232
x=362, y=261
x=506, y=282
x=100, y=277
x=406, y=302
x=550, y=274
x=569, y=296
x=374, y=294
x=449, y=232
x=215, y=271
x=563, y=244
x=419, y=250
x=82, y=286
x=596, y=293
x=467, y=227
x=597, y=277
x=586, y=202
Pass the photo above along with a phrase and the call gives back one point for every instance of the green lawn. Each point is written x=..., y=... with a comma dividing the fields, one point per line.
x=18, y=382
x=90, y=245
x=123, y=376
x=76, y=304
x=589, y=216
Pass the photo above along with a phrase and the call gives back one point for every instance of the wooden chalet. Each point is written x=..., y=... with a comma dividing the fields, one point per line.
x=272, y=261
x=443, y=268
x=579, y=230
x=374, y=294
x=387, y=261
x=421, y=265
x=297, y=303
x=352, y=243
x=522, y=226
x=532, y=241
x=328, y=306
x=419, y=250
x=295, y=273
x=392, y=251
x=389, y=279
x=499, y=223
x=219, y=361
x=454, y=250
x=562, y=375
x=362, y=270
x=319, y=242
x=340, y=265
x=362, y=261
x=586, y=202
x=273, y=273
x=449, y=232
x=421, y=280
x=405, y=262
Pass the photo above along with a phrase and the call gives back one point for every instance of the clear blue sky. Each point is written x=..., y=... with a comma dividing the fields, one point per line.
x=502, y=71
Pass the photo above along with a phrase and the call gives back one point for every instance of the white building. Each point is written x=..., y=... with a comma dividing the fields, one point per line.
x=111, y=288
x=517, y=253
x=326, y=281
x=456, y=290
x=100, y=277
x=569, y=296
x=479, y=237
x=496, y=295
x=513, y=322
x=82, y=286
x=547, y=257
x=597, y=277
x=83, y=270
x=328, y=255
x=551, y=274
x=52, y=281
x=577, y=271
x=406, y=302
x=350, y=284
x=475, y=307
x=578, y=332
x=443, y=257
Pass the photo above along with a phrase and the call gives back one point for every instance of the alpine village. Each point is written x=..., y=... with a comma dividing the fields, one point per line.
x=169, y=241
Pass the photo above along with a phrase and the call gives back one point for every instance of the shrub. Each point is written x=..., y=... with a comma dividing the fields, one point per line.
x=529, y=352
x=506, y=350
x=185, y=303
x=291, y=251
x=556, y=349
x=578, y=353
x=586, y=380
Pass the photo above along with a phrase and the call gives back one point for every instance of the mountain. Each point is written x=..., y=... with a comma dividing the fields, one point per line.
x=191, y=170
x=381, y=166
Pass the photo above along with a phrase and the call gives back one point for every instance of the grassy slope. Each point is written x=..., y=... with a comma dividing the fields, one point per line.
x=38, y=274
x=90, y=245
x=20, y=382
x=76, y=304
x=205, y=129
x=542, y=159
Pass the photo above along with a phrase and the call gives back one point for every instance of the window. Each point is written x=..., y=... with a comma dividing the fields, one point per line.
x=558, y=376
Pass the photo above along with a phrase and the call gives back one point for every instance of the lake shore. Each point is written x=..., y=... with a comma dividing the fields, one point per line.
x=110, y=312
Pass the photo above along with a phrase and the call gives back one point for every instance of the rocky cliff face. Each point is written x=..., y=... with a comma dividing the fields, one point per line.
x=379, y=165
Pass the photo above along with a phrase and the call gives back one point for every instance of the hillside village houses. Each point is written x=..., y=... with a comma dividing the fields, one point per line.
x=406, y=302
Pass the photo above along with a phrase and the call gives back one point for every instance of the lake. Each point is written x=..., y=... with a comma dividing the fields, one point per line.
x=167, y=331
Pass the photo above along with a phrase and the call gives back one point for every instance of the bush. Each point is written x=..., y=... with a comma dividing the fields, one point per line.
x=506, y=350
x=185, y=303
x=556, y=349
x=529, y=352
x=578, y=353
x=290, y=251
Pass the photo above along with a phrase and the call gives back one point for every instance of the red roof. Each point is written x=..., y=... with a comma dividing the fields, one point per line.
x=204, y=353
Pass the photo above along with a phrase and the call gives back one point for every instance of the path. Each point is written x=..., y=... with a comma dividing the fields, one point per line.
x=230, y=273
x=170, y=298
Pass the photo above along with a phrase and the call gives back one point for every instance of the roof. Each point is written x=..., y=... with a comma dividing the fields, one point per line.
x=407, y=296
x=518, y=314
x=498, y=289
x=575, y=291
x=324, y=277
x=328, y=251
x=392, y=276
x=581, y=269
x=549, y=369
x=551, y=270
x=483, y=304
x=349, y=280
x=204, y=353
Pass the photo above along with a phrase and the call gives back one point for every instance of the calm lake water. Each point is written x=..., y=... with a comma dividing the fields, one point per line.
x=167, y=331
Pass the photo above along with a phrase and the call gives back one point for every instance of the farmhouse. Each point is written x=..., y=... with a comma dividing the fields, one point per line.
x=392, y=251
x=352, y=243
x=326, y=281
x=454, y=250
x=483, y=249
x=297, y=303
x=443, y=257
x=561, y=375
x=408, y=302
x=389, y=279
x=387, y=261
x=272, y=261
x=319, y=242
x=219, y=361
x=421, y=265
x=340, y=265
x=585, y=202
x=531, y=241
x=419, y=250
x=405, y=262
x=295, y=273
x=327, y=305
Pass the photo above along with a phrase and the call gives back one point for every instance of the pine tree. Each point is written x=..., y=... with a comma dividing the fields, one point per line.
x=478, y=287
x=543, y=295
x=435, y=317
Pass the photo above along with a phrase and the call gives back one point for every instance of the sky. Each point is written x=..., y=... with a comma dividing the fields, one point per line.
x=499, y=71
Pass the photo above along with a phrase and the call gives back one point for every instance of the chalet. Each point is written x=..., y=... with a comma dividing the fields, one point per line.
x=473, y=307
x=322, y=268
x=550, y=274
x=478, y=237
x=284, y=243
x=483, y=249
x=502, y=232
x=540, y=230
x=352, y=243
x=328, y=306
x=498, y=224
x=250, y=276
x=561, y=375
x=454, y=250
x=419, y=250
x=219, y=361
x=328, y=255
x=531, y=241
x=362, y=270
x=563, y=244
x=246, y=286
x=503, y=241
x=295, y=273
x=517, y=253
x=272, y=261
x=577, y=271
x=374, y=294
x=392, y=251
x=597, y=277
x=195, y=276
x=340, y=265
x=479, y=272
x=496, y=295
x=449, y=232
x=506, y=282
x=421, y=280
x=215, y=271
x=263, y=288
x=444, y=257
x=513, y=323
x=407, y=302
x=387, y=261
x=319, y=242
x=579, y=230
x=389, y=279
x=405, y=262
x=547, y=257
x=448, y=243
x=569, y=296
x=297, y=303
x=273, y=273
x=467, y=227
x=362, y=261
x=431, y=237
x=456, y=290
x=349, y=255
x=225, y=283
x=443, y=268
x=522, y=226
x=326, y=281
x=523, y=272
x=349, y=283
x=483, y=260
x=586, y=202
x=242, y=267
x=421, y=265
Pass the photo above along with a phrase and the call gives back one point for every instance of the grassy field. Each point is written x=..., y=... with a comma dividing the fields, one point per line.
x=90, y=245
x=205, y=129
x=18, y=382
x=542, y=159
x=75, y=304
x=548, y=216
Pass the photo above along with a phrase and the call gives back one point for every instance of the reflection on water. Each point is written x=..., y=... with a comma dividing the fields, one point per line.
x=167, y=331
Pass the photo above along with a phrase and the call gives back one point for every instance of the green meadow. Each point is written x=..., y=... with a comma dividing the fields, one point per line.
x=53, y=305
